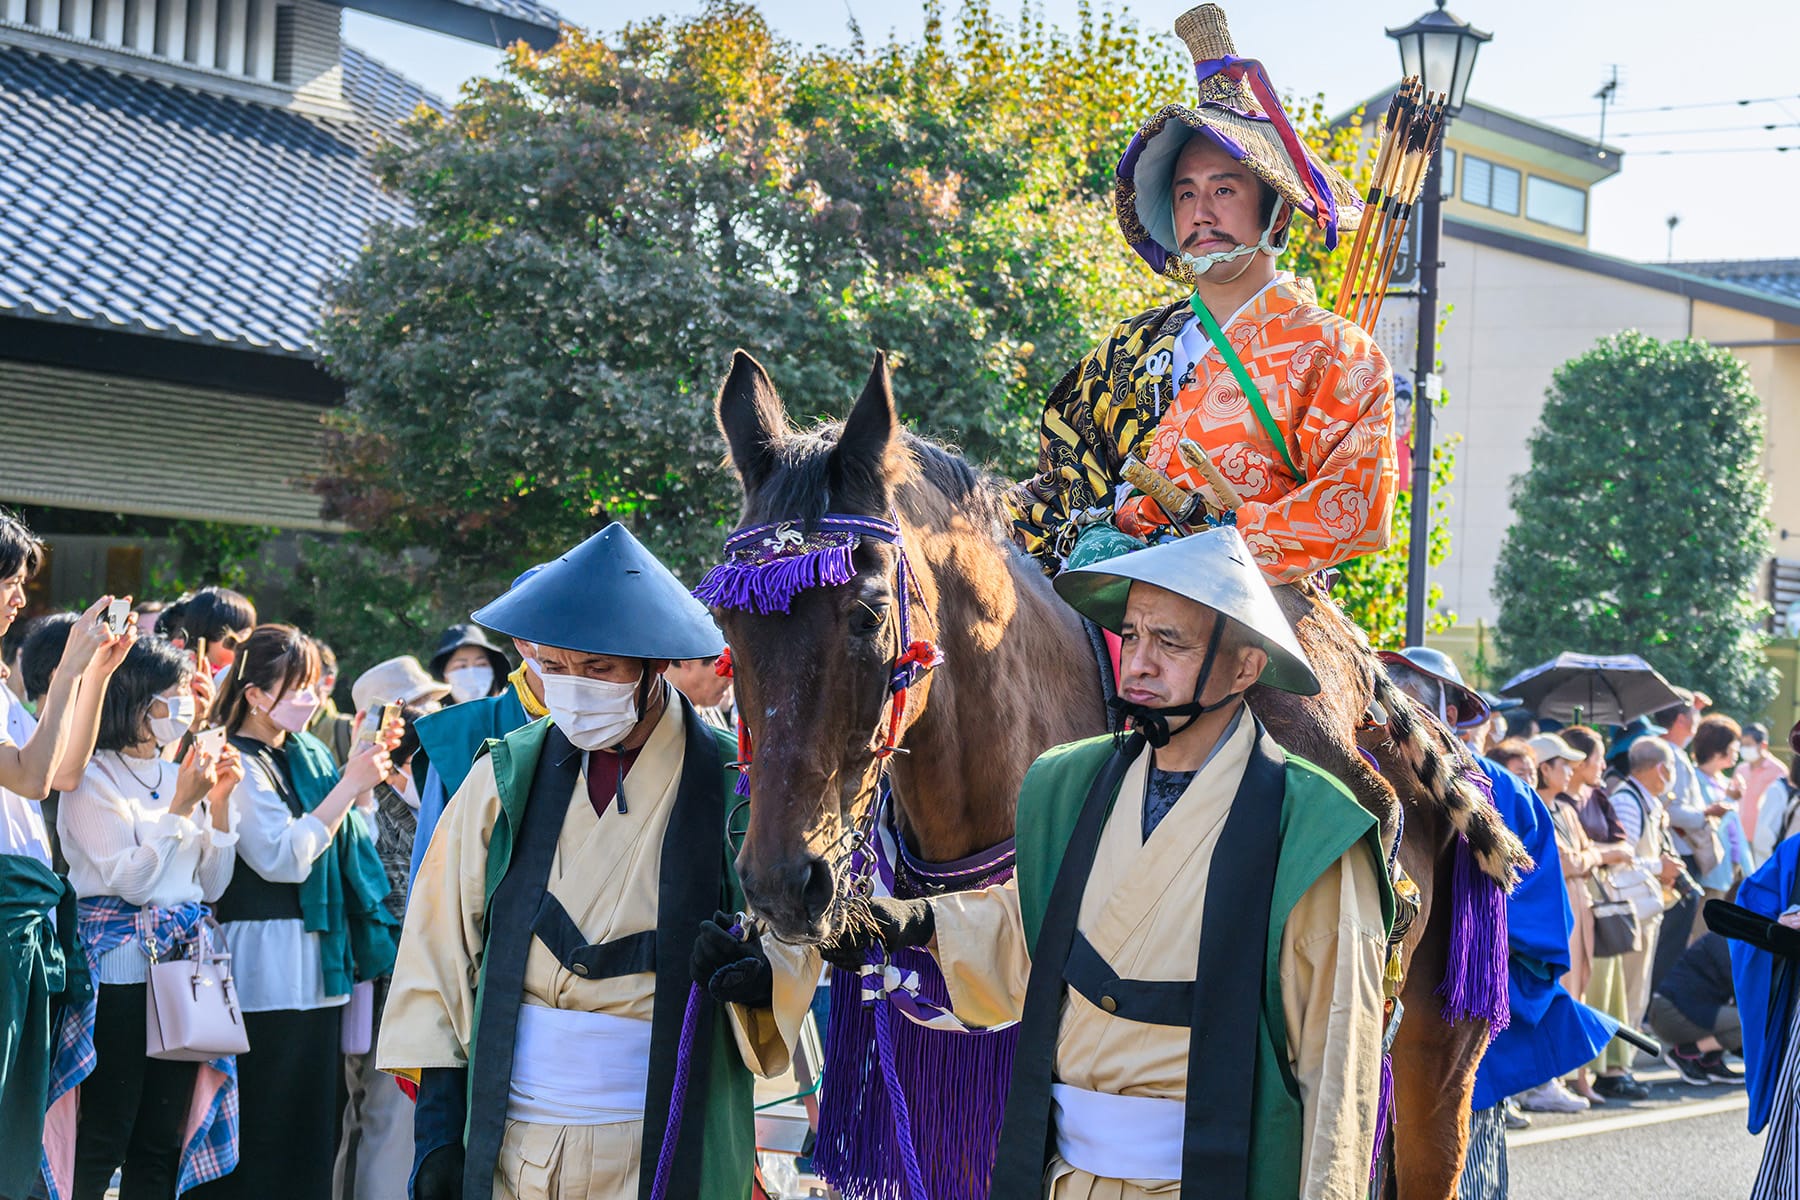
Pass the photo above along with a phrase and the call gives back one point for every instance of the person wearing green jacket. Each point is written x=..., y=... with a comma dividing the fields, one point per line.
x=1194, y=940
x=543, y=982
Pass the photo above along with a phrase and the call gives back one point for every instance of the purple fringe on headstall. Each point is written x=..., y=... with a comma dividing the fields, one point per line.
x=1475, y=984
x=956, y=1084
x=769, y=584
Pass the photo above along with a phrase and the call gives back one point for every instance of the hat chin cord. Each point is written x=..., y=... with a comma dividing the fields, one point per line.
x=1200, y=264
x=1153, y=723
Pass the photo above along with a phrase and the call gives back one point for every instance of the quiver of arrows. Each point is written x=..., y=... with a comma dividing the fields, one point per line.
x=1411, y=136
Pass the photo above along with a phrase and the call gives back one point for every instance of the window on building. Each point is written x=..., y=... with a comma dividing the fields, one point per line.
x=1447, y=174
x=1556, y=204
x=1490, y=185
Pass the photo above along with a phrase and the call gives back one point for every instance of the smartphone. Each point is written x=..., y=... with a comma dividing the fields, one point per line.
x=117, y=614
x=200, y=655
x=375, y=720
x=210, y=741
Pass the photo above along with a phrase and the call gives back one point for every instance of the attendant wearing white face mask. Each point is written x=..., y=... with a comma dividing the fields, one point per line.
x=543, y=976
x=148, y=845
x=304, y=917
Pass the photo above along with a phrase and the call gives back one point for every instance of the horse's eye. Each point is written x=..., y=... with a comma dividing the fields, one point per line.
x=868, y=618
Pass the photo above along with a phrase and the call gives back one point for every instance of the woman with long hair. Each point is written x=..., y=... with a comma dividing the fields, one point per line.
x=303, y=916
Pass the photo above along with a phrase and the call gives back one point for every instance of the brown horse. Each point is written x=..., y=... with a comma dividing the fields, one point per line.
x=1018, y=676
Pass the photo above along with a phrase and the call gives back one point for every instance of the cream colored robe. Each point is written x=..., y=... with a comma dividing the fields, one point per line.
x=606, y=874
x=1141, y=910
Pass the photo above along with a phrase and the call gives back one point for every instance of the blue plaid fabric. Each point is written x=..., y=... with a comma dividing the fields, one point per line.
x=106, y=923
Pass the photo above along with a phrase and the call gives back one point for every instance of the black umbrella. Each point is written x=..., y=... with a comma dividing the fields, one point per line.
x=1606, y=689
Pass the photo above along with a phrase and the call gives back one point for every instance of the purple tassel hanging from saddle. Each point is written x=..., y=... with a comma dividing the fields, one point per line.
x=1475, y=977
x=1384, y=1112
x=957, y=1082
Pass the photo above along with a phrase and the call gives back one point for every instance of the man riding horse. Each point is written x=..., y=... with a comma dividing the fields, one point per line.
x=1291, y=403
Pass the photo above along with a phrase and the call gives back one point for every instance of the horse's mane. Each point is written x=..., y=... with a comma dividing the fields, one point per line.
x=801, y=486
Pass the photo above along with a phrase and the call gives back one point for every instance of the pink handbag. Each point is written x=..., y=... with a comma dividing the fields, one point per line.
x=192, y=1011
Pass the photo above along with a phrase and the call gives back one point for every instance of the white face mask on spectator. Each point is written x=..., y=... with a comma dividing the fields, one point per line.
x=179, y=720
x=470, y=683
x=594, y=714
x=1749, y=753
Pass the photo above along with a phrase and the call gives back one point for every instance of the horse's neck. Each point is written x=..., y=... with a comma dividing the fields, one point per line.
x=1018, y=677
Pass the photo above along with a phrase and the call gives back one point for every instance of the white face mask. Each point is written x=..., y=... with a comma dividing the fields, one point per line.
x=470, y=683
x=181, y=717
x=1749, y=753
x=594, y=714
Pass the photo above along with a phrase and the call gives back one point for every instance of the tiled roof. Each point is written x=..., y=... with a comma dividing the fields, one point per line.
x=152, y=208
x=1778, y=277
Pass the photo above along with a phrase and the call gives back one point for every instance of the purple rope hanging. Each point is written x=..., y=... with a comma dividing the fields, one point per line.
x=684, y=1055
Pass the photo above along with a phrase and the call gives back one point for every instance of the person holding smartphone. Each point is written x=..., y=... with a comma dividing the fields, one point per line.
x=303, y=916
x=149, y=846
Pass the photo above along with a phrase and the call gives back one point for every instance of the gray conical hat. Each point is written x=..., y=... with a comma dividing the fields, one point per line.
x=1212, y=568
x=608, y=595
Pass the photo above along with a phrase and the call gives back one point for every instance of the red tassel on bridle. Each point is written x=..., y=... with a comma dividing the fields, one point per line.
x=909, y=668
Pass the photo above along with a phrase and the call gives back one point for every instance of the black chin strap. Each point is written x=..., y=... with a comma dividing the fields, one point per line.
x=1153, y=723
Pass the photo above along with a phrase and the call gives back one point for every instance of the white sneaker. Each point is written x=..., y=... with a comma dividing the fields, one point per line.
x=1552, y=1097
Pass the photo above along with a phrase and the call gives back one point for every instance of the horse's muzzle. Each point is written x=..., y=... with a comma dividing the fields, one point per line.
x=794, y=897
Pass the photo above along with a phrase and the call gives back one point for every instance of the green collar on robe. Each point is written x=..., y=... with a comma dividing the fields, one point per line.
x=1320, y=821
x=729, y=1153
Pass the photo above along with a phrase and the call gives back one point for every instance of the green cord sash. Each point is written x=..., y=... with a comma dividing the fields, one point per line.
x=1263, y=416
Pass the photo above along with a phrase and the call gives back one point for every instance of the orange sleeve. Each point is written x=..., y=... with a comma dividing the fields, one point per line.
x=1346, y=440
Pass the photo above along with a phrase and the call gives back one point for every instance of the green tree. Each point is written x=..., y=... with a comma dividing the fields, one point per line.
x=1642, y=522
x=598, y=227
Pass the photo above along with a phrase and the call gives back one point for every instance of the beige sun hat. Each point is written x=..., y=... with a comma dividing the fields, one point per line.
x=1241, y=112
x=399, y=680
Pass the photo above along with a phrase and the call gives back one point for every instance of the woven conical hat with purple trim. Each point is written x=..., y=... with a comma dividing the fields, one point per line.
x=1231, y=115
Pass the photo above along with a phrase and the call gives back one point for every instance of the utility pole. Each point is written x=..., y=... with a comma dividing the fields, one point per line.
x=1605, y=97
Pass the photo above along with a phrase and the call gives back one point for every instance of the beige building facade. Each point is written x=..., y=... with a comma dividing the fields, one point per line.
x=1521, y=294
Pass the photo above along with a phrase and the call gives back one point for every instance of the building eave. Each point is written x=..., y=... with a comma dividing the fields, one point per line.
x=465, y=21
x=1665, y=279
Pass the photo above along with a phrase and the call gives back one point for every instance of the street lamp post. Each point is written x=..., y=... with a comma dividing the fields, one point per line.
x=1440, y=48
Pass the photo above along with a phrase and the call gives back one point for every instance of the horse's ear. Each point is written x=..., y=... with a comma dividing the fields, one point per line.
x=751, y=417
x=862, y=448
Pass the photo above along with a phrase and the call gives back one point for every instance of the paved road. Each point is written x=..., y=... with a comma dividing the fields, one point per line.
x=1684, y=1143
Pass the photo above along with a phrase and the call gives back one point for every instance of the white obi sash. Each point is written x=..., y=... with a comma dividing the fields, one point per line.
x=578, y=1068
x=1118, y=1137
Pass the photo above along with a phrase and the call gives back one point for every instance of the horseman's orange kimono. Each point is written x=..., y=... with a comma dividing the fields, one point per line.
x=1157, y=379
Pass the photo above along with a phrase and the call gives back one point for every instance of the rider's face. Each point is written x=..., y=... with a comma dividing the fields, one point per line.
x=1218, y=202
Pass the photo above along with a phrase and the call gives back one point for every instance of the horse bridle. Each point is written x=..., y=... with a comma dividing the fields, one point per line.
x=766, y=566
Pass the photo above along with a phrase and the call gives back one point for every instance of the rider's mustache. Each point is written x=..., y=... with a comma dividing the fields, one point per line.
x=1199, y=235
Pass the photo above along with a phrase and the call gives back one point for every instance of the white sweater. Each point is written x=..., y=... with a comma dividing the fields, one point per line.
x=121, y=842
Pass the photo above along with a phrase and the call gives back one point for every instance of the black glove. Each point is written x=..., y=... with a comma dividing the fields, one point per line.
x=893, y=923
x=733, y=972
x=440, y=1175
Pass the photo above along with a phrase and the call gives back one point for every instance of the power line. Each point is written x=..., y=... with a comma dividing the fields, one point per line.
x=1617, y=112
x=1713, y=129
x=1717, y=150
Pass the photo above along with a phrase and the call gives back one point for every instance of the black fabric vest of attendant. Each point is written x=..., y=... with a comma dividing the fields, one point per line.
x=1220, y=1007
x=250, y=897
x=689, y=891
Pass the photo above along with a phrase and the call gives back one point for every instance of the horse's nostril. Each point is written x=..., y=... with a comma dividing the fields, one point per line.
x=816, y=890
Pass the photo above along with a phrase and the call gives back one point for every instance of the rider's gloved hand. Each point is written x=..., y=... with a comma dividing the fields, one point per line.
x=893, y=923
x=733, y=972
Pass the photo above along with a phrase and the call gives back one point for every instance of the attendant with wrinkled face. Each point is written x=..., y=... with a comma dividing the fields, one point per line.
x=550, y=948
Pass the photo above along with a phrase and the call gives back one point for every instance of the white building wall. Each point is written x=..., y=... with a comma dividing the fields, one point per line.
x=1513, y=320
